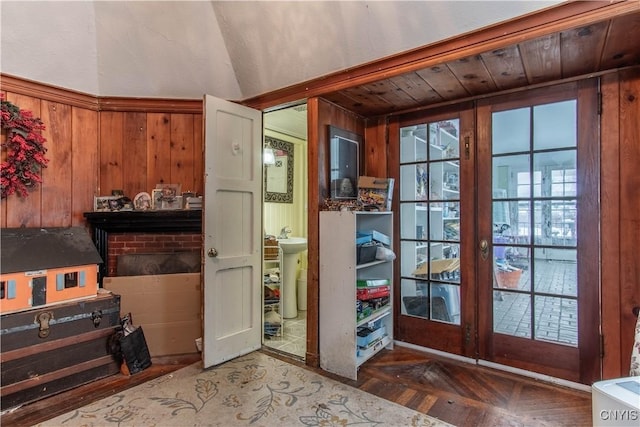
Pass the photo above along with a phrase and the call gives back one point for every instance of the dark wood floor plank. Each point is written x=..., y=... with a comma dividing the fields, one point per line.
x=459, y=393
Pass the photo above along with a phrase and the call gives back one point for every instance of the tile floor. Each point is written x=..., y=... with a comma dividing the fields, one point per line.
x=293, y=339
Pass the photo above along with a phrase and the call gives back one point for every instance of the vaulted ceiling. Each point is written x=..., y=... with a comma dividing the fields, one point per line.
x=230, y=49
x=242, y=50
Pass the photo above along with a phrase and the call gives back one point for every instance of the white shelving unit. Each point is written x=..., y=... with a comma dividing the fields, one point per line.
x=440, y=187
x=339, y=272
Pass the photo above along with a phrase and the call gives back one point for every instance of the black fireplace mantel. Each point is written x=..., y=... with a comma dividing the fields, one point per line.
x=167, y=221
x=183, y=220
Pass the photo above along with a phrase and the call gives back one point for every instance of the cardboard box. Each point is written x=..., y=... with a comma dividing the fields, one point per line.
x=167, y=306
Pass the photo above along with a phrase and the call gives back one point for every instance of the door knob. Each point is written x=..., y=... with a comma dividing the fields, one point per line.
x=212, y=253
x=484, y=249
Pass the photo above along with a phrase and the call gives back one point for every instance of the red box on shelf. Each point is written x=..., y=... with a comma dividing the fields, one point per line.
x=373, y=292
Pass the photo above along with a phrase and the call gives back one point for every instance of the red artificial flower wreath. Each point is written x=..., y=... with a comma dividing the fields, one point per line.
x=25, y=150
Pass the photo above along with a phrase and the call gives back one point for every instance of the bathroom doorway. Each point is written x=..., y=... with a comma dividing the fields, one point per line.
x=285, y=230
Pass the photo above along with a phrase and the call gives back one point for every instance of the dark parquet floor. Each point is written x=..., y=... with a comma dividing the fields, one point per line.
x=456, y=392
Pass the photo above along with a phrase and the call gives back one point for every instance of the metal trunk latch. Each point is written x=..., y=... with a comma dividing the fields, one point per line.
x=96, y=316
x=43, y=320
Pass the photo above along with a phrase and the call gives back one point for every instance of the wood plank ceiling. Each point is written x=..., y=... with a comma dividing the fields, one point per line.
x=594, y=48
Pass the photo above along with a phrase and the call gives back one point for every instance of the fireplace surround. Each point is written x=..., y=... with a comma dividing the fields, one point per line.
x=117, y=233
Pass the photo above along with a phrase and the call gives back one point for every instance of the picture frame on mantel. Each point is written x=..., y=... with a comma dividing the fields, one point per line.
x=278, y=177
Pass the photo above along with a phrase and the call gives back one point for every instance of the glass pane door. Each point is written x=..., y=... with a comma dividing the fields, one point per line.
x=430, y=221
x=534, y=223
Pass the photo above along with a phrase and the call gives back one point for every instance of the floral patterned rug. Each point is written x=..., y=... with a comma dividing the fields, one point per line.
x=252, y=390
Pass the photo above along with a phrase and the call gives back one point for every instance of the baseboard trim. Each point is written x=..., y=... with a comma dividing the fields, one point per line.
x=499, y=367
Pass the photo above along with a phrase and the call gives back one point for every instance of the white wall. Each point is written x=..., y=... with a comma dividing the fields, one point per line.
x=171, y=49
x=294, y=215
x=229, y=49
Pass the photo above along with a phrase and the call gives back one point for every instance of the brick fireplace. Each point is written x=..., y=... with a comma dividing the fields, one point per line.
x=143, y=232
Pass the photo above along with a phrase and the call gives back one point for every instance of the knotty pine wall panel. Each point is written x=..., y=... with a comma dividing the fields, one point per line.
x=111, y=143
x=57, y=177
x=96, y=145
x=629, y=210
x=134, y=150
x=158, y=149
x=182, y=151
x=84, y=162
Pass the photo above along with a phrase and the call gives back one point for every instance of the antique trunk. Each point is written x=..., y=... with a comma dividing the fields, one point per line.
x=51, y=349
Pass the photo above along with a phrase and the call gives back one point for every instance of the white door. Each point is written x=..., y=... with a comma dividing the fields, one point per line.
x=232, y=228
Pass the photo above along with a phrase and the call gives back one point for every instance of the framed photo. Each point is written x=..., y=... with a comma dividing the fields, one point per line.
x=344, y=152
x=142, y=202
x=169, y=191
x=106, y=203
x=161, y=199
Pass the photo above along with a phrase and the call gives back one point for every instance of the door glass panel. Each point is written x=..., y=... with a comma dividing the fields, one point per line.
x=534, y=209
x=551, y=127
x=430, y=221
x=559, y=169
x=511, y=131
x=505, y=169
x=556, y=319
x=556, y=271
x=512, y=314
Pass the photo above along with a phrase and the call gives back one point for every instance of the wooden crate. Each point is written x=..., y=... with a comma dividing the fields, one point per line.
x=52, y=349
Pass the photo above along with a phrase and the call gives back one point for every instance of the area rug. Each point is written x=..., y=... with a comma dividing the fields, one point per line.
x=252, y=390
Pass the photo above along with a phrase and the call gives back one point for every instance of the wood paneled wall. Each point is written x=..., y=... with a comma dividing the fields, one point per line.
x=620, y=217
x=320, y=114
x=96, y=145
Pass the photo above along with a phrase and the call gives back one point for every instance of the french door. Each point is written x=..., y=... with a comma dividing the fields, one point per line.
x=499, y=231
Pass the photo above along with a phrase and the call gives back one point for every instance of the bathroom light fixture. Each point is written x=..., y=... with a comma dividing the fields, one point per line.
x=268, y=157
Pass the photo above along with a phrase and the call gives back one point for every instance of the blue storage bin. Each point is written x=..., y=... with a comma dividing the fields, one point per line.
x=362, y=238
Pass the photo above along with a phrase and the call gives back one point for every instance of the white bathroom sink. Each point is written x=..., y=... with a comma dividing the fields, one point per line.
x=293, y=245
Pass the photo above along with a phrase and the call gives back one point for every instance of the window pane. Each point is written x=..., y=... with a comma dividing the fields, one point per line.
x=444, y=140
x=445, y=303
x=413, y=144
x=512, y=314
x=414, y=182
x=554, y=125
x=507, y=171
x=413, y=217
x=556, y=271
x=555, y=222
x=551, y=167
x=511, y=131
x=556, y=319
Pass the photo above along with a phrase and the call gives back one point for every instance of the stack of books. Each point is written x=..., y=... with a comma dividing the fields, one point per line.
x=194, y=203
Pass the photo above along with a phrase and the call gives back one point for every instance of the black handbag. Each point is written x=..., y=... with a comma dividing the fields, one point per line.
x=130, y=346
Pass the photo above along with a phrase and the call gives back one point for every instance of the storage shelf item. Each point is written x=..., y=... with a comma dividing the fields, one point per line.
x=340, y=280
x=272, y=290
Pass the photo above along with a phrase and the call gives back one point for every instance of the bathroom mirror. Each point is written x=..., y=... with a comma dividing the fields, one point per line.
x=278, y=177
